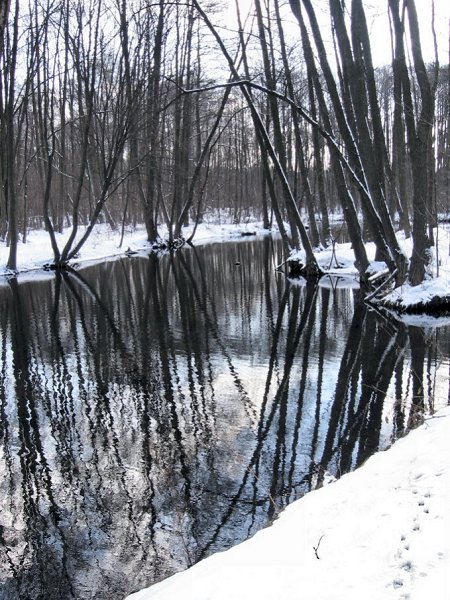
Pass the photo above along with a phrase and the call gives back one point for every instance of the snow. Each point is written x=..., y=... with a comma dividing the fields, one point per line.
x=437, y=284
x=338, y=262
x=379, y=532
x=407, y=296
x=103, y=244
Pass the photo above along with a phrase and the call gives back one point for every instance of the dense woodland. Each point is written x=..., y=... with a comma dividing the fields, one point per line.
x=162, y=113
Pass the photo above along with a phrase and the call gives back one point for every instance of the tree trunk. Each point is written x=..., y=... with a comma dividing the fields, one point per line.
x=345, y=197
x=384, y=240
x=419, y=135
x=300, y=154
x=9, y=181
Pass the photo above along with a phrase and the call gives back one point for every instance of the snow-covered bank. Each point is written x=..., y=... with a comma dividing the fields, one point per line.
x=436, y=287
x=380, y=532
x=103, y=243
x=429, y=295
x=338, y=262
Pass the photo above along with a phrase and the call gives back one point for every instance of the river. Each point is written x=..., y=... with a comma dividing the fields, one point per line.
x=155, y=410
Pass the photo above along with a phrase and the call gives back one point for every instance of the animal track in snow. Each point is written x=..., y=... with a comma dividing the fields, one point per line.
x=406, y=570
x=407, y=566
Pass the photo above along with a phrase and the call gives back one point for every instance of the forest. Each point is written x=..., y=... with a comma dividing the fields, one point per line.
x=161, y=404
x=161, y=113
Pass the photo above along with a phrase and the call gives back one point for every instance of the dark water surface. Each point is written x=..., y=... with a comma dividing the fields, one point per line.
x=154, y=411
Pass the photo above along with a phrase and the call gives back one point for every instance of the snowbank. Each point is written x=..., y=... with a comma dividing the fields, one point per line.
x=337, y=262
x=433, y=294
x=103, y=243
x=380, y=532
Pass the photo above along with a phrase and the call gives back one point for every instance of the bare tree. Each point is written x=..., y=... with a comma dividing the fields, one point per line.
x=311, y=266
x=419, y=134
x=8, y=58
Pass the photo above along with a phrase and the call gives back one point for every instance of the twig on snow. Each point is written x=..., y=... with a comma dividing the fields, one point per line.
x=316, y=548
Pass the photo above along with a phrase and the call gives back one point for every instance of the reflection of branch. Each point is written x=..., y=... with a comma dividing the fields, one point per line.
x=304, y=328
x=349, y=365
x=325, y=297
x=265, y=425
x=212, y=323
x=104, y=414
x=167, y=354
x=34, y=465
x=128, y=356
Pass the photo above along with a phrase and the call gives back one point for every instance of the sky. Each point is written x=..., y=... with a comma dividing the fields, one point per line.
x=379, y=27
x=377, y=17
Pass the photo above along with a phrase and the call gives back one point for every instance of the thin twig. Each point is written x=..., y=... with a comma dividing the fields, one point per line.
x=316, y=548
x=380, y=287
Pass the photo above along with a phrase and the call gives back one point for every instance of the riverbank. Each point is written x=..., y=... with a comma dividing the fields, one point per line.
x=433, y=295
x=104, y=244
x=378, y=532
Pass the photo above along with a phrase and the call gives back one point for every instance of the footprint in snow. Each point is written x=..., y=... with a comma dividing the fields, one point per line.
x=407, y=566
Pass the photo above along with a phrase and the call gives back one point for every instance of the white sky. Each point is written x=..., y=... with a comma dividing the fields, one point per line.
x=377, y=17
x=380, y=29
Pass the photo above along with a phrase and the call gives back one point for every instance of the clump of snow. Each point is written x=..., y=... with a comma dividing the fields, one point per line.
x=337, y=261
x=380, y=532
x=436, y=287
x=407, y=297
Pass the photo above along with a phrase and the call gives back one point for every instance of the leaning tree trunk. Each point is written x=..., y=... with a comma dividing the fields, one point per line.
x=309, y=200
x=267, y=176
x=344, y=194
x=311, y=267
x=279, y=142
x=318, y=169
x=419, y=134
x=383, y=239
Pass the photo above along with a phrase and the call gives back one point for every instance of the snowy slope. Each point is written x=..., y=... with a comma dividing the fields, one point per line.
x=383, y=533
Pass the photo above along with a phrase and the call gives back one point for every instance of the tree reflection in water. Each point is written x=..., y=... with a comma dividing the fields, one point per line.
x=156, y=410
